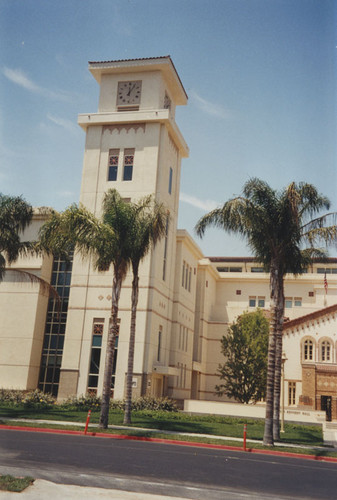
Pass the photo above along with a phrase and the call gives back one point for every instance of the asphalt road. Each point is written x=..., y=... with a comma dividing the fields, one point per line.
x=189, y=472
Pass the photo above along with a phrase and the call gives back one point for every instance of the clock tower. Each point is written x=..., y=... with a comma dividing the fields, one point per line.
x=133, y=145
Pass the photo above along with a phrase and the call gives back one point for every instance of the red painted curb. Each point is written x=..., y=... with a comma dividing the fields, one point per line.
x=171, y=441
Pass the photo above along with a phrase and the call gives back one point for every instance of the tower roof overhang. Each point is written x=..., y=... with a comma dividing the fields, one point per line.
x=163, y=64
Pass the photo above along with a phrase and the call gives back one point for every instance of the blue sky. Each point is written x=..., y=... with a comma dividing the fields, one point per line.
x=260, y=76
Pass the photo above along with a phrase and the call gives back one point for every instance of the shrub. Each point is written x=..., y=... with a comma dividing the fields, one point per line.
x=92, y=402
x=85, y=402
x=38, y=399
x=30, y=399
x=154, y=404
x=11, y=397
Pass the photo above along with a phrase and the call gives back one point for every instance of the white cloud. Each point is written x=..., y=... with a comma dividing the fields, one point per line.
x=206, y=205
x=66, y=124
x=209, y=107
x=18, y=77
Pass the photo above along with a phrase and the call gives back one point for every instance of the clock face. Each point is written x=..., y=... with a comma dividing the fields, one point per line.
x=129, y=92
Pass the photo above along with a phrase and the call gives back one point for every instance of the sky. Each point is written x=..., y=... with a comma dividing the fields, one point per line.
x=260, y=76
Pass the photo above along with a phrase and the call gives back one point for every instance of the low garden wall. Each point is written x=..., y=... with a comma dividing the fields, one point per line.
x=252, y=411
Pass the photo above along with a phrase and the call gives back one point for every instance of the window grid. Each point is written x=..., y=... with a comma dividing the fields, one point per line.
x=128, y=164
x=308, y=350
x=325, y=351
x=291, y=393
x=257, y=301
x=113, y=164
x=95, y=356
x=55, y=327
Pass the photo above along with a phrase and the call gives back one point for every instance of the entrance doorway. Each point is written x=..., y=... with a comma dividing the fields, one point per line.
x=326, y=406
x=157, y=387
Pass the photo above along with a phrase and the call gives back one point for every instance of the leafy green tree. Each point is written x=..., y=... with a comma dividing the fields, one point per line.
x=149, y=225
x=245, y=347
x=276, y=225
x=107, y=240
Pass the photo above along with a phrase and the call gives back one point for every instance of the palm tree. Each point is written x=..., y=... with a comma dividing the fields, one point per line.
x=148, y=228
x=108, y=241
x=275, y=225
x=15, y=215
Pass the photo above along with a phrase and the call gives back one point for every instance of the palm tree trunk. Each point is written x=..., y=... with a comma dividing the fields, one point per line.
x=268, y=426
x=278, y=361
x=134, y=302
x=110, y=351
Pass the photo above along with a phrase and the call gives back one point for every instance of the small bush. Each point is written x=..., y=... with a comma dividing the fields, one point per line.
x=145, y=403
x=154, y=404
x=38, y=399
x=11, y=397
x=85, y=402
x=92, y=402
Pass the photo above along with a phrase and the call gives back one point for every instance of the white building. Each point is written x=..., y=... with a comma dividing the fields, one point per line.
x=186, y=300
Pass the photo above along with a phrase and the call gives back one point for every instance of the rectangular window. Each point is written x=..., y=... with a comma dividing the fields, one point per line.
x=165, y=246
x=229, y=269
x=260, y=302
x=298, y=302
x=183, y=275
x=55, y=326
x=291, y=393
x=327, y=270
x=128, y=164
x=95, y=358
x=257, y=270
x=189, y=279
x=113, y=164
x=288, y=303
x=257, y=301
x=170, y=181
x=159, y=342
x=252, y=301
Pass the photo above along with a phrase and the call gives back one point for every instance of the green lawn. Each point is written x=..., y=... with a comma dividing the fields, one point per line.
x=175, y=422
x=10, y=483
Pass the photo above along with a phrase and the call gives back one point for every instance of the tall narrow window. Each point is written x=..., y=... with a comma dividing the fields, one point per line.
x=95, y=358
x=183, y=275
x=308, y=350
x=128, y=164
x=113, y=376
x=291, y=393
x=159, y=342
x=170, y=181
x=325, y=351
x=165, y=246
x=55, y=327
x=113, y=164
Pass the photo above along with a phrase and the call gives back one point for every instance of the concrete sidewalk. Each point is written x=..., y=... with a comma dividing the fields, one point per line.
x=43, y=490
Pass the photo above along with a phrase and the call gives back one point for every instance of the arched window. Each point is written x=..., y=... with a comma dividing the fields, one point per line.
x=308, y=350
x=325, y=350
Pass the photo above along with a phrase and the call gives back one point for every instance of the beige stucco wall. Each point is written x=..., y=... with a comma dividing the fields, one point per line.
x=23, y=306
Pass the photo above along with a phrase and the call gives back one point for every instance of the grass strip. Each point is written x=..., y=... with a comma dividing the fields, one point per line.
x=310, y=435
x=17, y=484
x=326, y=452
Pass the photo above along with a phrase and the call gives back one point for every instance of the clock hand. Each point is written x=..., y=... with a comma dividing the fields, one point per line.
x=131, y=89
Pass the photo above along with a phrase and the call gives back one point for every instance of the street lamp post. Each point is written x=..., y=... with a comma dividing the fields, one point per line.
x=284, y=359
